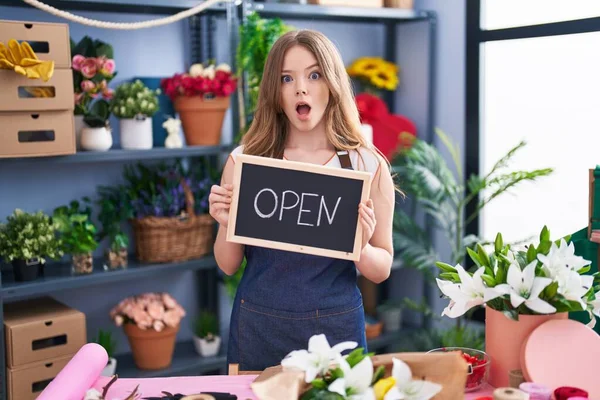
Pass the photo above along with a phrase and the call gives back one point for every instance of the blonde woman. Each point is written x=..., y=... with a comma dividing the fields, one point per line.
x=306, y=112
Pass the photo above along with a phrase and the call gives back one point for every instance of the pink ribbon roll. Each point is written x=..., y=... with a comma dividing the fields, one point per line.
x=78, y=375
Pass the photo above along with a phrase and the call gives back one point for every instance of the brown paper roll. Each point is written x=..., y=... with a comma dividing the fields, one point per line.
x=510, y=394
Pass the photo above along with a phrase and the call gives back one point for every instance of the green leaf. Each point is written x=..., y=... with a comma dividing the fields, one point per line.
x=356, y=356
x=319, y=383
x=450, y=276
x=584, y=270
x=485, y=259
x=544, y=247
x=531, y=254
x=379, y=374
x=498, y=244
x=488, y=280
x=550, y=290
x=445, y=267
x=545, y=234
x=475, y=257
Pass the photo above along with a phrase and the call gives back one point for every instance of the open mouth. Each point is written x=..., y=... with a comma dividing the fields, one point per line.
x=302, y=109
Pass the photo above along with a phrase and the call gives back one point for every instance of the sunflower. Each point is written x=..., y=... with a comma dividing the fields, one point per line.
x=376, y=72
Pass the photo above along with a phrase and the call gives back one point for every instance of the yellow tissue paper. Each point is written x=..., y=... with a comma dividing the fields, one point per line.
x=22, y=59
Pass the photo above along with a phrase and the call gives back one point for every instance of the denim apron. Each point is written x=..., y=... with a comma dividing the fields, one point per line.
x=285, y=297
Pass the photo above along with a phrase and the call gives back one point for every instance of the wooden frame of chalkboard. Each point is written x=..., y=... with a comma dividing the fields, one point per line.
x=344, y=242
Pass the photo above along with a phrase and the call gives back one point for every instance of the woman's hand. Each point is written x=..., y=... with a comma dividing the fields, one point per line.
x=367, y=220
x=219, y=202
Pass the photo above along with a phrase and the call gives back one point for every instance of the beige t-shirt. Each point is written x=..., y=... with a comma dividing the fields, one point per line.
x=367, y=161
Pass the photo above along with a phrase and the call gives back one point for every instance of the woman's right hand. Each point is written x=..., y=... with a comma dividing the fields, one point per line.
x=219, y=202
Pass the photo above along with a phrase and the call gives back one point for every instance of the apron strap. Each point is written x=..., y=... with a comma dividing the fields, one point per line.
x=344, y=159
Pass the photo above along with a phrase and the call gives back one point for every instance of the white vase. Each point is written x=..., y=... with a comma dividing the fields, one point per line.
x=96, y=139
x=206, y=348
x=136, y=133
x=110, y=368
x=79, y=125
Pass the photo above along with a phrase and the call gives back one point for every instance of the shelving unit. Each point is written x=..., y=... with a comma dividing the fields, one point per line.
x=201, y=35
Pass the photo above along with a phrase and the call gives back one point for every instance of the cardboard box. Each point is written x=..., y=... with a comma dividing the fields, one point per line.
x=27, y=382
x=45, y=133
x=19, y=93
x=41, y=329
x=49, y=41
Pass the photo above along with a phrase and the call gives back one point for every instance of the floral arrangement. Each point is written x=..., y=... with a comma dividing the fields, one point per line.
x=148, y=311
x=93, y=69
x=27, y=236
x=543, y=279
x=134, y=98
x=375, y=73
x=207, y=326
x=206, y=81
x=334, y=376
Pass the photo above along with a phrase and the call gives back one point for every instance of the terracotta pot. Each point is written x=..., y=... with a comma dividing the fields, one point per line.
x=202, y=119
x=504, y=338
x=151, y=350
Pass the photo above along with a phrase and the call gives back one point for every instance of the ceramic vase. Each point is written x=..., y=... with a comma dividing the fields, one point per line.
x=136, y=133
x=96, y=139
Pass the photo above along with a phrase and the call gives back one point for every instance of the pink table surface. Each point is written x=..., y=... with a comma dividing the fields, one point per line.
x=238, y=385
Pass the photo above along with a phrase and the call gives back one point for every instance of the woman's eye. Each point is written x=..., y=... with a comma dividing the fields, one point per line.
x=286, y=79
x=315, y=75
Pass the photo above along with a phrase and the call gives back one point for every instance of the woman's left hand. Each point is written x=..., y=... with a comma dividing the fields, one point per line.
x=367, y=220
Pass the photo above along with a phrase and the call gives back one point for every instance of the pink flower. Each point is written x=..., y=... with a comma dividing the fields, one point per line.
x=87, y=85
x=88, y=68
x=158, y=326
x=108, y=93
x=168, y=301
x=77, y=61
x=119, y=320
x=171, y=318
x=100, y=61
x=109, y=67
x=156, y=310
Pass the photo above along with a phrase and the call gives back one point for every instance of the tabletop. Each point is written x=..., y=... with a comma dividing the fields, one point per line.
x=238, y=385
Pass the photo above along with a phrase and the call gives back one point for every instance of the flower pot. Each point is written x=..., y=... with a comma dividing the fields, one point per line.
x=96, y=139
x=110, y=368
x=202, y=119
x=504, y=338
x=391, y=318
x=82, y=263
x=151, y=350
x=136, y=133
x=207, y=348
x=27, y=270
x=115, y=260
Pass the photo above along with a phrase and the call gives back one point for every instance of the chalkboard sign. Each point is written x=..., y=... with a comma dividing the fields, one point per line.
x=296, y=206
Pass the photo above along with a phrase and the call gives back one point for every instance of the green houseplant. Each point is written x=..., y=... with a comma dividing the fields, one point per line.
x=78, y=234
x=135, y=104
x=429, y=182
x=206, y=334
x=106, y=340
x=26, y=240
x=112, y=213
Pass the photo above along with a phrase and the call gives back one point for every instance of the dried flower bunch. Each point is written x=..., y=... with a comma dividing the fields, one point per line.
x=148, y=311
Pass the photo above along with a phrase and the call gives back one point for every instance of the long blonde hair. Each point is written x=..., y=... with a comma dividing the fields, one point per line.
x=268, y=133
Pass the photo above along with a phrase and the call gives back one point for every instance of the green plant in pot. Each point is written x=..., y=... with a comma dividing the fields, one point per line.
x=106, y=340
x=112, y=214
x=78, y=235
x=206, y=334
x=96, y=135
x=26, y=240
x=390, y=313
x=135, y=104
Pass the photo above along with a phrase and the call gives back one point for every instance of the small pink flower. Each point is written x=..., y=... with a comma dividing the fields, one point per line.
x=158, y=326
x=100, y=61
x=77, y=61
x=88, y=68
x=145, y=322
x=87, y=85
x=109, y=67
x=119, y=320
x=108, y=93
x=171, y=318
x=168, y=301
x=156, y=310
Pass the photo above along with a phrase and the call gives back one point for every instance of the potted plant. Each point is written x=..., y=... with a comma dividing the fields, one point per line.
x=78, y=235
x=26, y=240
x=135, y=104
x=93, y=68
x=390, y=313
x=201, y=97
x=106, y=340
x=96, y=135
x=206, y=334
x=151, y=322
x=112, y=213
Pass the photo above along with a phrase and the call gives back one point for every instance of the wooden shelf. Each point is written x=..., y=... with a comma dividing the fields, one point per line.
x=59, y=277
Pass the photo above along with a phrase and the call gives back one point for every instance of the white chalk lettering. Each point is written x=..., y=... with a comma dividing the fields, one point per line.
x=260, y=214
x=283, y=206
x=324, y=206
x=302, y=210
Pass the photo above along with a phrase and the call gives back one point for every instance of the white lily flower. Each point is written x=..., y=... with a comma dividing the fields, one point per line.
x=223, y=67
x=408, y=389
x=470, y=292
x=209, y=72
x=560, y=259
x=196, y=70
x=356, y=382
x=574, y=286
x=525, y=287
x=318, y=358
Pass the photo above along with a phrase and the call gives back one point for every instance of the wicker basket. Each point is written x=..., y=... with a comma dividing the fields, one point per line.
x=172, y=239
